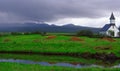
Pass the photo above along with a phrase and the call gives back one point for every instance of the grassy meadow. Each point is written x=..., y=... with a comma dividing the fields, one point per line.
x=56, y=43
x=59, y=44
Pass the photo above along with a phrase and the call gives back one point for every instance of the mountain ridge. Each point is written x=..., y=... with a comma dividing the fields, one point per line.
x=44, y=27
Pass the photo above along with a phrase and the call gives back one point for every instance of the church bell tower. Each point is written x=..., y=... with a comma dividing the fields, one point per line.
x=112, y=19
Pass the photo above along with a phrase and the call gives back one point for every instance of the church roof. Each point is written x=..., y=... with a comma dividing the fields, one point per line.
x=106, y=27
x=112, y=16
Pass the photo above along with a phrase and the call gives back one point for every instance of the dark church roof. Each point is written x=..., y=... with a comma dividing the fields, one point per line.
x=112, y=16
x=106, y=27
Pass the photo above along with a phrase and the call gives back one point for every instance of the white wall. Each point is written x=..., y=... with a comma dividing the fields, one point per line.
x=115, y=29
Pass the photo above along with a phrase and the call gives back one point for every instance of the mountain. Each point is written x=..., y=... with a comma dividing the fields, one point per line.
x=43, y=27
x=69, y=25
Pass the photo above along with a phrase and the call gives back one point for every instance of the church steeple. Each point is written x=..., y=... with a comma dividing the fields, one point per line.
x=112, y=19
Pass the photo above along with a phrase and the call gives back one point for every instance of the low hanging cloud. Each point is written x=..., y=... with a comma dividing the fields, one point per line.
x=52, y=10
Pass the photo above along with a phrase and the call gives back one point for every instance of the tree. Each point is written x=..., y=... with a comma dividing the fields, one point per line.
x=111, y=33
x=87, y=33
x=119, y=34
x=43, y=33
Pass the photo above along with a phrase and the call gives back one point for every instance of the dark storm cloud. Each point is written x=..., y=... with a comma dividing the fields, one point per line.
x=49, y=10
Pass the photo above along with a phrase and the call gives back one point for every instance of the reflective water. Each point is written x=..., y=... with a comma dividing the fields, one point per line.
x=53, y=64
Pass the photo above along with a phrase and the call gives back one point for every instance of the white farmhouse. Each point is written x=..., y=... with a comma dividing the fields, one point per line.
x=110, y=29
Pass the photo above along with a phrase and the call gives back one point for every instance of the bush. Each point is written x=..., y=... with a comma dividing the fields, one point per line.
x=98, y=35
x=87, y=33
x=43, y=33
x=111, y=33
x=15, y=33
x=119, y=34
x=27, y=33
x=36, y=32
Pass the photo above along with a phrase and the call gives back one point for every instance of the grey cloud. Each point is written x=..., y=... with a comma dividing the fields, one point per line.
x=50, y=10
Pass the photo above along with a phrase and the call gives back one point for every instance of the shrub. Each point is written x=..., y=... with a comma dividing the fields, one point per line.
x=36, y=32
x=15, y=33
x=87, y=33
x=111, y=33
x=27, y=33
x=43, y=33
x=119, y=34
x=98, y=35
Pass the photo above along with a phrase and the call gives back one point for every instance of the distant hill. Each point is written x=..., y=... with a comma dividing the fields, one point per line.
x=43, y=27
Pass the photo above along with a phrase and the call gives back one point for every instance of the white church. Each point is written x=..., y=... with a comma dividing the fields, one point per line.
x=110, y=29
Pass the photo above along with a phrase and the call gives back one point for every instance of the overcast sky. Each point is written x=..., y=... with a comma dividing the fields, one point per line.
x=93, y=13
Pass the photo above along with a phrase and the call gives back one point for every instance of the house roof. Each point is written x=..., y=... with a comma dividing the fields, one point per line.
x=106, y=27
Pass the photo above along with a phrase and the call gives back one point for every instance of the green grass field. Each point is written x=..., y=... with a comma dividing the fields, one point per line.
x=56, y=44
x=34, y=67
x=62, y=44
